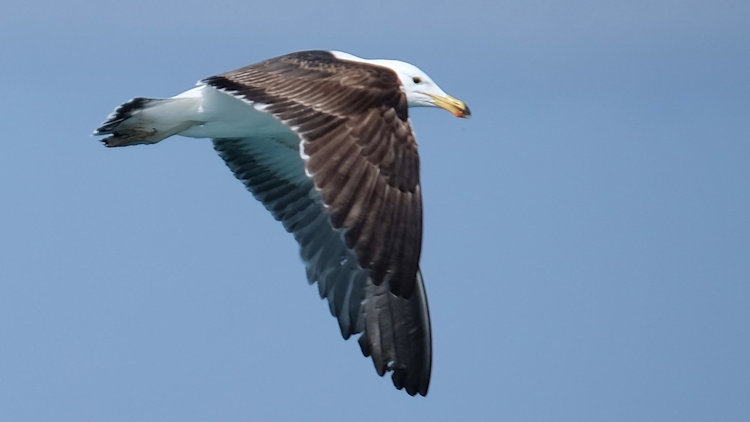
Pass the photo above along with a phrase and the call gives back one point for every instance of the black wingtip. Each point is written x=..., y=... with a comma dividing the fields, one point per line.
x=401, y=382
x=398, y=336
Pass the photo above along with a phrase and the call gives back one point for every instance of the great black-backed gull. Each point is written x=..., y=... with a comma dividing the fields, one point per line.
x=323, y=140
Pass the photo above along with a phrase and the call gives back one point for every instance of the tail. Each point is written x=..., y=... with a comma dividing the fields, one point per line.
x=146, y=121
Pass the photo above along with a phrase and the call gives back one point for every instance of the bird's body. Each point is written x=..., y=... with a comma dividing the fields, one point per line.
x=323, y=140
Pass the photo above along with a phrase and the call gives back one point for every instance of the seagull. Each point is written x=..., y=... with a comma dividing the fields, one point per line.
x=323, y=139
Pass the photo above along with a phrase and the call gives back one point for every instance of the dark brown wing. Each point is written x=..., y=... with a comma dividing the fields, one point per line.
x=353, y=203
x=358, y=147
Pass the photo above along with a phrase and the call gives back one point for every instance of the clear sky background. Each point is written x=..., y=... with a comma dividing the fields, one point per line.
x=587, y=231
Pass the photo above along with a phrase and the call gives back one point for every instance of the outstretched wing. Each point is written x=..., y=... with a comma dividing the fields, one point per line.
x=358, y=148
x=345, y=181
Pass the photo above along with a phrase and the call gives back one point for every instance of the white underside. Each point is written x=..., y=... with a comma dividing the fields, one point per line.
x=217, y=114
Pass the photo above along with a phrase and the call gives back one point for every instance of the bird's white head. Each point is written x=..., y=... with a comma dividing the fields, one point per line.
x=420, y=89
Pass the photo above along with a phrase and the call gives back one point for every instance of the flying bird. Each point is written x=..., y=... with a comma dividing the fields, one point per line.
x=323, y=139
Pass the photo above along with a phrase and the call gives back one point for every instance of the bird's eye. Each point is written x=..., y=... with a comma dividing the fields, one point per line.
x=416, y=80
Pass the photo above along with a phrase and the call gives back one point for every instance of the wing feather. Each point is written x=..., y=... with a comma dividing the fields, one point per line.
x=349, y=194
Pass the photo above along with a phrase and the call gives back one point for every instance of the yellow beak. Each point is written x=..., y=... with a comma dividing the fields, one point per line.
x=454, y=105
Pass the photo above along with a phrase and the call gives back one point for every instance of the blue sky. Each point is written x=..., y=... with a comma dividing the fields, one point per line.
x=587, y=240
